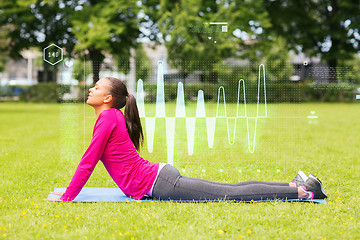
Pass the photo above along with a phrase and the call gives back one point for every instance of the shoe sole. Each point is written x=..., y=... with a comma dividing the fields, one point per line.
x=303, y=175
x=312, y=176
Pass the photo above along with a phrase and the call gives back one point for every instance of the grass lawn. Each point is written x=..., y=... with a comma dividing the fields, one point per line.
x=41, y=145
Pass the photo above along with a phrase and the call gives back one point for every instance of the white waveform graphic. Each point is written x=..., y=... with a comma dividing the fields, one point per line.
x=200, y=113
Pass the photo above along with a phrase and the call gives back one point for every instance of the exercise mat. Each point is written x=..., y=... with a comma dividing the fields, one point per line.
x=93, y=194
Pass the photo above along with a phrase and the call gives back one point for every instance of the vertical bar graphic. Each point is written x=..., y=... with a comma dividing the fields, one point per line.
x=150, y=130
x=180, y=102
x=140, y=98
x=210, y=129
x=160, y=95
x=200, y=107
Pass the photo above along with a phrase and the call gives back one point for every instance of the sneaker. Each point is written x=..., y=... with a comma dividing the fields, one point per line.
x=321, y=185
x=300, y=179
x=314, y=188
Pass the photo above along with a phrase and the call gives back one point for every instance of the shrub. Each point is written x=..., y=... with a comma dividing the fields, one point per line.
x=44, y=92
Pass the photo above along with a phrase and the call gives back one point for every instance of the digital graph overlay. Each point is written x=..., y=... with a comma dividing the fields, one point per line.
x=150, y=122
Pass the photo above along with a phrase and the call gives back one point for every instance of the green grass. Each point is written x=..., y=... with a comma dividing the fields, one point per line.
x=41, y=145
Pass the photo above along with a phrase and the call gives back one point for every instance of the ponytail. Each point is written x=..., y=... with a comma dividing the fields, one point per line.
x=133, y=122
x=119, y=92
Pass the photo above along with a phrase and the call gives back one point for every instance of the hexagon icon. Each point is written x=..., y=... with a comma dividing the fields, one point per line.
x=53, y=54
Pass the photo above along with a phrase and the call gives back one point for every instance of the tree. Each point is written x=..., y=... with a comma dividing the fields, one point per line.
x=277, y=60
x=195, y=44
x=327, y=28
x=4, y=45
x=350, y=69
x=92, y=27
x=142, y=61
x=80, y=73
x=106, y=26
x=37, y=24
x=191, y=42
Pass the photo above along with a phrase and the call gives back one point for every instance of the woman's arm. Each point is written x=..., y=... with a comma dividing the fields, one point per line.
x=102, y=130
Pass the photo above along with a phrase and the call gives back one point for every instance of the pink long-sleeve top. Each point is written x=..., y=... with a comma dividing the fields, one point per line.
x=112, y=145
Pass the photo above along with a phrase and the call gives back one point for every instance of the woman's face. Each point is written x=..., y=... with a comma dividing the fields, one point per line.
x=100, y=93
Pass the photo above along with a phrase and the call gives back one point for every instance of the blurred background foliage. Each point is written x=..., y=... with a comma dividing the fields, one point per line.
x=263, y=31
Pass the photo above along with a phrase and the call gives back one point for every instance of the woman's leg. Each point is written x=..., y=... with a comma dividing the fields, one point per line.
x=245, y=182
x=171, y=185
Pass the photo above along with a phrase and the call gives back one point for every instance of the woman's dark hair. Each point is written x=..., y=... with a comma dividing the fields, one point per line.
x=122, y=98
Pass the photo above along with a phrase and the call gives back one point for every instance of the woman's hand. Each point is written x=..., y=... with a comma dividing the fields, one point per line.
x=58, y=193
x=56, y=199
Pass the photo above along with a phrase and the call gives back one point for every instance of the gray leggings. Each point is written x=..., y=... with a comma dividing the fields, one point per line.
x=170, y=185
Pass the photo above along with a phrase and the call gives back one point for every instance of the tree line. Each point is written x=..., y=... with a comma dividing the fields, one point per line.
x=257, y=30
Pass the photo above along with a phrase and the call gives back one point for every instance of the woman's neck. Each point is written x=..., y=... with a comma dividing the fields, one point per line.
x=100, y=109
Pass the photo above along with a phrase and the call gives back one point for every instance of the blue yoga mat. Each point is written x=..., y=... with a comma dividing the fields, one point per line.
x=92, y=194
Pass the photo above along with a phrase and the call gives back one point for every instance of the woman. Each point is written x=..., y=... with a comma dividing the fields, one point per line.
x=116, y=139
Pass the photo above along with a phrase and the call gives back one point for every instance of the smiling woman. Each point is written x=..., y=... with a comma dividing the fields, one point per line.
x=116, y=139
